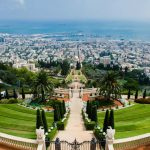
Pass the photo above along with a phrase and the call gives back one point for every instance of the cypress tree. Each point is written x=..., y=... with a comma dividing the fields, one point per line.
x=23, y=94
x=56, y=113
x=94, y=113
x=39, y=121
x=44, y=121
x=61, y=110
x=144, y=94
x=0, y=95
x=87, y=107
x=64, y=107
x=106, y=121
x=15, y=94
x=136, y=94
x=6, y=94
x=111, y=119
x=90, y=110
x=129, y=94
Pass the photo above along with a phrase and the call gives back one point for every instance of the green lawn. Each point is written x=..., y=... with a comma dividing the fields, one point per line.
x=131, y=121
x=19, y=121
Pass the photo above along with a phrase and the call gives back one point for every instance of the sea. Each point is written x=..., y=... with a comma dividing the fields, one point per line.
x=80, y=29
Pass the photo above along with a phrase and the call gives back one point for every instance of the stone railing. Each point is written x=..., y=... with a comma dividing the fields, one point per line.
x=133, y=142
x=18, y=142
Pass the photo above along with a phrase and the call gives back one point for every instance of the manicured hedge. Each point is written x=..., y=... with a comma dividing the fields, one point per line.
x=89, y=125
x=52, y=133
x=60, y=125
x=143, y=101
x=10, y=101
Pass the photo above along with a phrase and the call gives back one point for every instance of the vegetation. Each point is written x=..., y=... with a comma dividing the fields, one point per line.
x=94, y=113
x=39, y=121
x=19, y=121
x=42, y=85
x=136, y=94
x=106, y=121
x=78, y=66
x=143, y=100
x=44, y=120
x=144, y=94
x=65, y=67
x=111, y=119
x=109, y=86
x=130, y=121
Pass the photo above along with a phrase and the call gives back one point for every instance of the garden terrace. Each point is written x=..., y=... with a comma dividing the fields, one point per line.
x=20, y=121
x=130, y=121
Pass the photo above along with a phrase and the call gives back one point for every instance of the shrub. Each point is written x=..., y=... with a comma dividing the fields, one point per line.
x=10, y=101
x=100, y=136
x=90, y=125
x=143, y=100
x=60, y=125
x=52, y=134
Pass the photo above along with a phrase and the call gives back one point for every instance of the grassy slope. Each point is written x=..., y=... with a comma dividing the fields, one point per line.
x=130, y=121
x=19, y=121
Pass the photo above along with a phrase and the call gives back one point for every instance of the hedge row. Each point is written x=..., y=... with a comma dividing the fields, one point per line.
x=61, y=125
x=88, y=125
x=143, y=100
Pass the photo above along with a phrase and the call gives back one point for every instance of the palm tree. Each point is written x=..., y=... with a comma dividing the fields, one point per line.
x=109, y=86
x=42, y=85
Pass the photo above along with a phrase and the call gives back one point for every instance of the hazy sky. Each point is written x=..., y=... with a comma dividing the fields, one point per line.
x=75, y=9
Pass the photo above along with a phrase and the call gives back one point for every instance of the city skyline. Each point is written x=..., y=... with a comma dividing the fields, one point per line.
x=135, y=10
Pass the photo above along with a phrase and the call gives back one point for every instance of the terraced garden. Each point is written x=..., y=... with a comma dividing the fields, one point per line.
x=131, y=121
x=19, y=121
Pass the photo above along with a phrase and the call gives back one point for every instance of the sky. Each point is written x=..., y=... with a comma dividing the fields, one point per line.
x=75, y=10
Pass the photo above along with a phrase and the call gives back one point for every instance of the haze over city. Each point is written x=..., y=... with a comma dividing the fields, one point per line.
x=132, y=10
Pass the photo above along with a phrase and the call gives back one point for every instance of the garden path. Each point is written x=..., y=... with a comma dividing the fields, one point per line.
x=75, y=127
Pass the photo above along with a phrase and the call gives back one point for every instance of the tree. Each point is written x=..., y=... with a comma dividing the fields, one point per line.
x=144, y=94
x=111, y=119
x=61, y=110
x=90, y=110
x=6, y=94
x=94, y=113
x=109, y=86
x=78, y=65
x=129, y=94
x=44, y=121
x=87, y=107
x=106, y=121
x=39, y=122
x=136, y=94
x=15, y=94
x=42, y=85
x=0, y=94
x=65, y=68
x=56, y=113
x=64, y=106
x=23, y=94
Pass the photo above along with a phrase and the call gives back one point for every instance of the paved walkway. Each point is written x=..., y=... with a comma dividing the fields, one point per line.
x=75, y=127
